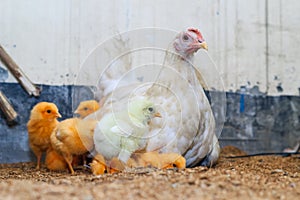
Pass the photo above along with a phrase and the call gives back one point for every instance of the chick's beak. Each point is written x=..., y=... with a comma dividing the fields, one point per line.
x=157, y=115
x=76, y=111
x=203, y=45
x=58, y=115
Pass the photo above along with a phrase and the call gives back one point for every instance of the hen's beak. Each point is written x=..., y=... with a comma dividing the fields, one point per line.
x=157, y=115
x=203, y=45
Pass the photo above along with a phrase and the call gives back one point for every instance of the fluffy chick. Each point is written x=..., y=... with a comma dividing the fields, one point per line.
x=73, y=137
x=54, y=161
x=87, y=107
x=120, y=134
x=98, y=165
x=43, y=119
x=154, y=159
x=149, y=159
x=115, y=166
x=171, y=160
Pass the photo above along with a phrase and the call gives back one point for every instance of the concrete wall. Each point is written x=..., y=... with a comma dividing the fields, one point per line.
x=253, y=43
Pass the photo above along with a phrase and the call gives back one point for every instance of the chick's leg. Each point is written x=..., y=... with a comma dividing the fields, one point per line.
x=38, y=155
x=84, y=158
x=69, y=159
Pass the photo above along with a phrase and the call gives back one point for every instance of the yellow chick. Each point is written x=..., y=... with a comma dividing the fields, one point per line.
x=43, y=119
x=115, y=166
x=148, y=159
x=171, y=160
x=120, y=134
x=87, y=107
x=73, y=137
x=98, y=165
x=154, y=159
x=54, y=161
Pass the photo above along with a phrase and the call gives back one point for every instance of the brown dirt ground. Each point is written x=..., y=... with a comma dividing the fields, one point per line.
x=260, y=177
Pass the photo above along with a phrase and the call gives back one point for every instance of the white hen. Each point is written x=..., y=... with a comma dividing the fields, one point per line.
x=188, y=127
x=120, y=134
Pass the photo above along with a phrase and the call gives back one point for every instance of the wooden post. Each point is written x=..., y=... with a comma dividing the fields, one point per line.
x=7, y=108
x=15, y=70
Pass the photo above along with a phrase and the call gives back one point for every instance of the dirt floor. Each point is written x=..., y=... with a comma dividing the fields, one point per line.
x=260, y=177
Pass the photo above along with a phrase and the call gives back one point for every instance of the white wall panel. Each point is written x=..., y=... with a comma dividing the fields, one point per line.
x=239, y=43
x=49, y=39
x=284, y=47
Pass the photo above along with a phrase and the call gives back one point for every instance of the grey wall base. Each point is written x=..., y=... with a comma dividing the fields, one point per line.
x=254, y=123
x=258, y=123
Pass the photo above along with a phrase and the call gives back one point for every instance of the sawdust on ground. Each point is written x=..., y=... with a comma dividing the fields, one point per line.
x=260, y=177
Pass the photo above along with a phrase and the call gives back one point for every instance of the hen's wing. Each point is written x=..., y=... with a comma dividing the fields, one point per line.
x=188, y=127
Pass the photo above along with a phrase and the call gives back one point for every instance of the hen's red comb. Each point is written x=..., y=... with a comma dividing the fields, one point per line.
x=198, y=33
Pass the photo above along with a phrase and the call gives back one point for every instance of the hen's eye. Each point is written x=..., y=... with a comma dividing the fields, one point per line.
x=48, y=111
x=150, y=109
x=185, y=37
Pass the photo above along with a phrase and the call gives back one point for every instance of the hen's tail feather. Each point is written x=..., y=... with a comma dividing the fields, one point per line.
x=115, y=71
x=212, y=157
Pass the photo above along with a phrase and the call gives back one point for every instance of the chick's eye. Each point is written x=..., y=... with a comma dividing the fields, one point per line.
x=185, y=37
x=48, y=111
x=85, y=108
x=150, y=109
